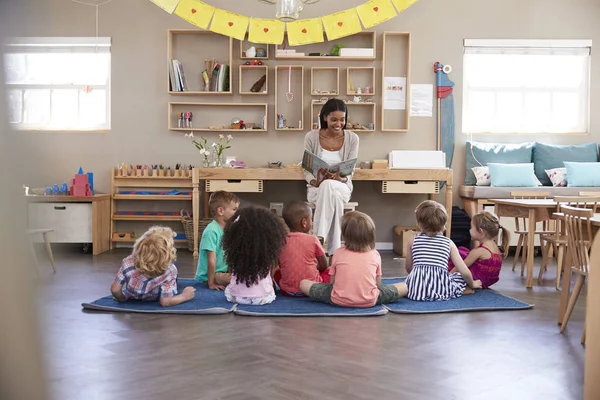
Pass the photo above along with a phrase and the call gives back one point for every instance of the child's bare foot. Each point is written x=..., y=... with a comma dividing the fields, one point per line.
x=468, y=290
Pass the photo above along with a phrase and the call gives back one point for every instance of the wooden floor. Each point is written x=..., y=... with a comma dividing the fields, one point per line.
x=483, y=355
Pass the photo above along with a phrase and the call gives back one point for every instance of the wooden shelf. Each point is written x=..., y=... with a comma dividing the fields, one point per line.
x=178, y=241
x=396, y=63
x=206, y=115
x=151, y=197
x=365, y=40
x=245, y=44
x=293, y=111
x=258, y=71
x=117, y=217
x=191, y=47
x=360, y=77
x=363, y=116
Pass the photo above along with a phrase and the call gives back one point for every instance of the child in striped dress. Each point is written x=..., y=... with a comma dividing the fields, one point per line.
x=427, y=260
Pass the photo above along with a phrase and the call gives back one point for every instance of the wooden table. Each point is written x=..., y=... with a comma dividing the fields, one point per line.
x=296, y=174
x=533, y=209
x=74, y=219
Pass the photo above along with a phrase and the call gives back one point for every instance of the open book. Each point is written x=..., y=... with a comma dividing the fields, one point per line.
x=312, y=163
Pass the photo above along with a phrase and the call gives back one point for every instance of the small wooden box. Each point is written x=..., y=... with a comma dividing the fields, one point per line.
x=410, y=187
x=235, y=185
x=402, y=234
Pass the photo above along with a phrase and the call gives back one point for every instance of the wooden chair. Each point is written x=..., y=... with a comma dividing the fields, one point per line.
x=558, y=240
x=522, y=232
x=579, y=234
x=44, y=232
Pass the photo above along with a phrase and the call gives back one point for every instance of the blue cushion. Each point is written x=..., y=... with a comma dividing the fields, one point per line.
x=584, y=174
x=512, y=175
x=495, y=153
x=549, y=156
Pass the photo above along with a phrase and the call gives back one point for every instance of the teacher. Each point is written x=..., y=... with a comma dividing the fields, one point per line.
x=329, y=191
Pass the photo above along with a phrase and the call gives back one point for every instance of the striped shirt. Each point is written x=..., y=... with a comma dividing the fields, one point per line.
x=433, y=251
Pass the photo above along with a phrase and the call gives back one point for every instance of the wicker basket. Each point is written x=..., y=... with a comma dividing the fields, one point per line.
x=188, y=227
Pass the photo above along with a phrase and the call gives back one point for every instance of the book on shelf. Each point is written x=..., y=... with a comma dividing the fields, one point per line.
x=313, y=163
x=177, y=77
x=220, y=78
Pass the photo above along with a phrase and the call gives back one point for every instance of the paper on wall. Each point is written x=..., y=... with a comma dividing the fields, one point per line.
x=421, y=100
x=394, y=93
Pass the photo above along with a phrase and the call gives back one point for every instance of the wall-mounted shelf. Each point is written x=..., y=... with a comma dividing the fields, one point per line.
x=208, y=117
x=360, y=77
x=249, y=75
x=289, y=77
x=363, y=113
x=324, y=81
x=396, y=63
x=191, y=47
x=366, y=41
x=244, y=45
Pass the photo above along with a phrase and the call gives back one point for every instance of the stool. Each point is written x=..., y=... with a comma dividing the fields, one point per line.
x=44, y=233
x=350, y=206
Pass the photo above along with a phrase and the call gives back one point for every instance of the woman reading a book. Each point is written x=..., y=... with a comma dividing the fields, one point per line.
x=330, y=156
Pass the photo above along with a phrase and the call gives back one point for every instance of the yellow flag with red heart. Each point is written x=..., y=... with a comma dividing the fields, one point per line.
x=402, y=5
x=229, y=24
x=167, y=5
x=305, y=31
x=375, y=12
x=340, y=24
x=195, y=12
x=266, y=31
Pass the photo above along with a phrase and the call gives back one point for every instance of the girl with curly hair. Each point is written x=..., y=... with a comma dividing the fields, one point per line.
x=252, y=242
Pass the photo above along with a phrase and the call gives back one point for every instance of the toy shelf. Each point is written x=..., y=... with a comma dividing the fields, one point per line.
x=217, y=117
x=120, y=217
x=151, y=197
x=191, y=47
x=245, y=44
x=360, y=77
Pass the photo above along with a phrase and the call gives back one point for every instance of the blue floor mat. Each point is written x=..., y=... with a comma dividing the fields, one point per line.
x=481, y=300
x=206, y=301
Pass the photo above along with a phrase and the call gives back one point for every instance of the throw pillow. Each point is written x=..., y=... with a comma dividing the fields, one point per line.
x=558, y=176
x=550, y=156
x=481, y=154
x=512, y=175
x=585, y=174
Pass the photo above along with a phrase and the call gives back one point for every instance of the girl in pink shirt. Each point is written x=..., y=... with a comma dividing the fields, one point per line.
x=355, y=270
x=252, y=242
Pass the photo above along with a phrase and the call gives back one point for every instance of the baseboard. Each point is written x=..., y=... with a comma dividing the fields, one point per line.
x=384, y=246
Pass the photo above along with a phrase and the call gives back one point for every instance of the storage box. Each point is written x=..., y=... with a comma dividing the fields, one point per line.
x=402, y=234
x=235, y=185
x=379, y=164
x=417, y=159
x=356, y=52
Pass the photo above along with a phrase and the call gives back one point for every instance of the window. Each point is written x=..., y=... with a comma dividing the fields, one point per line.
x=526, y=86
x=58, y=84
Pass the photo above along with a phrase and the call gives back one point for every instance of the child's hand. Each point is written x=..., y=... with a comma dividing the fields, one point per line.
x=189, y=292
x=214, y=286
x=477, y=284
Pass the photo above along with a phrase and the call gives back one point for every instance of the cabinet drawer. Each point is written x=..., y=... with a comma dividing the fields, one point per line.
x=72, y=222
x=410, y=187
x=235, y=185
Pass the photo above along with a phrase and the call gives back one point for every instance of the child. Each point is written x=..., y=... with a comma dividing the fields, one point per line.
x=302, y=256
x=484, y=261
x=252, y=242
x=355, y=270
x=149, y=273
x=427, y=260
x=211, y=264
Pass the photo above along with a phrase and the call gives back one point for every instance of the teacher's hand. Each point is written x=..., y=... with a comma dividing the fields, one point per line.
x=336, y=176
x=322, y=174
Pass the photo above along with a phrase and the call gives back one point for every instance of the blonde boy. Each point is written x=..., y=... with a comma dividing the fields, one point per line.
x=211, y=263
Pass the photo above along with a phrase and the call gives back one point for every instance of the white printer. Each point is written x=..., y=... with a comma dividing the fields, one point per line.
x=417, y=159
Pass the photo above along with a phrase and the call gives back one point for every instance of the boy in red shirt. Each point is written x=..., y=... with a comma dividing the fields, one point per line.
x=302, y=256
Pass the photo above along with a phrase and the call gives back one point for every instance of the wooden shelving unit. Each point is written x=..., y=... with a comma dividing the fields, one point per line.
x=396, y=63
x=244, y=44
x=292, y=110
x=124, y=186
x=362, y=40
x=191, y=47
x=357, y=113
x=322, y=76
x=249, y=74
x=206, y=115
x=362, y=77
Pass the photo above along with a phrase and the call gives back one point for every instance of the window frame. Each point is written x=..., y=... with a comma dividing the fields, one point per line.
x=528, y=46
x=50, y=45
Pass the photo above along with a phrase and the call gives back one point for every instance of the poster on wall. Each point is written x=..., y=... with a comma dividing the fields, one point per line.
x=421, y=100
x=394, y=93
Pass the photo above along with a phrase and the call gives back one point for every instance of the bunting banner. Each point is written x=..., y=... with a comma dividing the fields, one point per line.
x=341, y=24
x=229, y=24
x=195, y=12
x=167, y=5
x=402, y=5
x=305, y=31
x=272, y=31
x=266, y=31
x=374, y=12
